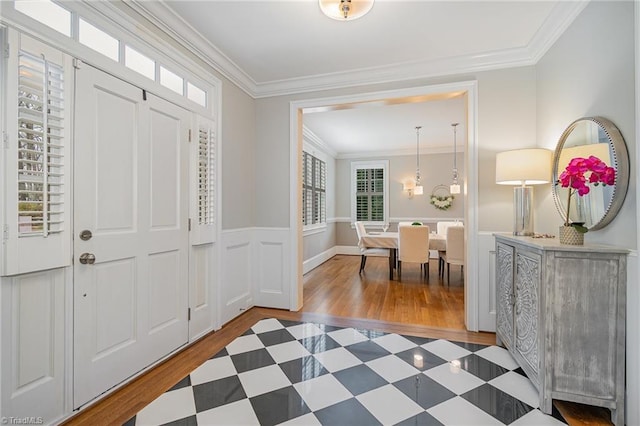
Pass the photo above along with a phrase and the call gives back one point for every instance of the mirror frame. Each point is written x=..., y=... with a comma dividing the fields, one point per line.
x=620, y=163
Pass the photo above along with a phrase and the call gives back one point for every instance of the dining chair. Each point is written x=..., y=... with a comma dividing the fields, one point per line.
x=441, y=229
x=455, y=250
x=413, y=246
x=367, y=251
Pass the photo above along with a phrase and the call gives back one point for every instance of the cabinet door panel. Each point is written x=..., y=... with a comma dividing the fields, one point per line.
x=527, y=283
x=504, y=273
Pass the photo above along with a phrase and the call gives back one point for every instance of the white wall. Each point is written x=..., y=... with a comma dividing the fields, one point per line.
x=590, y=71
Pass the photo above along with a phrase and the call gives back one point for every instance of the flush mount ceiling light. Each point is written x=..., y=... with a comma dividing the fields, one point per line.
x=345, y=10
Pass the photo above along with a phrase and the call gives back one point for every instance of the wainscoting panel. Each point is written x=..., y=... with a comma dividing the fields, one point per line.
x=486, y=282
x=272, y=267
x=202, y=290
x=33, y=345
x=237, y=265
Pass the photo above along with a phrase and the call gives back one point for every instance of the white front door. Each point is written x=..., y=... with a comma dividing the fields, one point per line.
x=130, y=193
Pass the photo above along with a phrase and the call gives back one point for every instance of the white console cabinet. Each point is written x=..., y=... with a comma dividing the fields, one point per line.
x=561, y=314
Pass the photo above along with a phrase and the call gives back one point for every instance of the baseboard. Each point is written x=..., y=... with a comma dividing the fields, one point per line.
x=351, y=250
x=317, y=260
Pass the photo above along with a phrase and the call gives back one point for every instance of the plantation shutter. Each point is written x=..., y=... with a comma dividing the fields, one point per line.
x=369, y=198
x=203, y=222
x=37, y=231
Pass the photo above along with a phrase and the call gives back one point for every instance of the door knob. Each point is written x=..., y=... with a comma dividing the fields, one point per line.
x=87, y=258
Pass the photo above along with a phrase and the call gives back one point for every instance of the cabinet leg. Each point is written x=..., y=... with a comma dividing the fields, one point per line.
x=499, y=341
x=617, y=415
x=546, y=404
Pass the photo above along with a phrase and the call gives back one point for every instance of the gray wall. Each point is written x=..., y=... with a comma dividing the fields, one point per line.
x=590, y=71
x=506, y=120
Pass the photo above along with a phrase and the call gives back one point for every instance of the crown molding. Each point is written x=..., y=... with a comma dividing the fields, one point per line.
x=396, y=153
x=160, y=15
x=318, y=143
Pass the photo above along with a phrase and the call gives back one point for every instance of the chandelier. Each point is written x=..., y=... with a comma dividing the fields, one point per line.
x=454, y=188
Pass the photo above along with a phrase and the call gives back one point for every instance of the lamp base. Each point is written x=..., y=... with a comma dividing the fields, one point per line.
x=523, y=211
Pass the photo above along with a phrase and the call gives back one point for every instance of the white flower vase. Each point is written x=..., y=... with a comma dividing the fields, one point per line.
x=570, y=236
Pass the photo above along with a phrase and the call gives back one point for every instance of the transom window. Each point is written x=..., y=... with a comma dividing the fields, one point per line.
x=314, y=194
x=369, y=194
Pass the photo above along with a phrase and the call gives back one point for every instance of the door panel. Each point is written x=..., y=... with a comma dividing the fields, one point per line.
x=130, y=305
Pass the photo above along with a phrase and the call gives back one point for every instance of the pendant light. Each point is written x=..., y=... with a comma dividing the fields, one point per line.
x=418, y=190
x=454, y=188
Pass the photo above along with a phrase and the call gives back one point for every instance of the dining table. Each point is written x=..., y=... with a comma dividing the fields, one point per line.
x=390, y=240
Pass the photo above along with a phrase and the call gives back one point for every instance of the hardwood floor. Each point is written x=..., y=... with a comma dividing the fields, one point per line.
x=336, y=288
x=333, y=293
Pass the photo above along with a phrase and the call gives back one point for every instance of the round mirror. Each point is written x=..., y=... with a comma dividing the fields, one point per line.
x=585, y=137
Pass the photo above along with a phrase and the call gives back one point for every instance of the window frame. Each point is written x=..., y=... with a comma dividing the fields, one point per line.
x=370, y=164
x=315, y=155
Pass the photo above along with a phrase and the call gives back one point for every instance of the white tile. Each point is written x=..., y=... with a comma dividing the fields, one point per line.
x=347, y=336
x=337, y=359
x=322, y=392
x=446, y=350
x=392, y=368
x=389, y=405
x=244, y=344
x=536, y=418
x=265, y=325
x=263, y=380
x=519, y=386
x=213, y=369
x=305, y=330
x=168, y=407
x=455, y=379
x=307, y=420
x=287, y=351
x=237, y=413
x=499, y=356
x=394, y=343
x=457, y=411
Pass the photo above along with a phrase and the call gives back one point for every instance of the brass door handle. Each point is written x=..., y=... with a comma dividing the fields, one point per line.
x=87, y=258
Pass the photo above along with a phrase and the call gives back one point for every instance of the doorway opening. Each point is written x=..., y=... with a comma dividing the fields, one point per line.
x=468, y=90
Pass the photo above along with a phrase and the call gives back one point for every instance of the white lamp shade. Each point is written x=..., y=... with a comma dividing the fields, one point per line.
x=454, y=188
x=418, y=190
x=523, y=167
x=600, y=150
x=357, y=9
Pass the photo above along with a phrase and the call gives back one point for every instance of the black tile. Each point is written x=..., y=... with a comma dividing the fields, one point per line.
x=349, y=412
x=520, y=371
x=367, y=351
x=186, y=381
x=220, y=354
x=360, y=379
x=328, y=328
x=251, y=360
x=371, y=334
x=301, y=369
x=218, y=392
x=130, y=422
x=481, y=367
x=320, y=343
x=288, y=323
x=424, y=391
x=248, y=332
x=187, y=421
x=275, y=337
x=419, y=340
x=500, y=405
x=429, y=359
x=472, y=347
x=278, y=406
x=422, y=419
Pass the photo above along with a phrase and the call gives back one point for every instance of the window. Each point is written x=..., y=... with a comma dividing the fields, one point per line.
x=40, y=146
x=98, y=40
x=48, y=13
x=370, y=187
x=171, y=81
x=314, y=195
x=196, y=94
x=139, y=63
x=206, y=177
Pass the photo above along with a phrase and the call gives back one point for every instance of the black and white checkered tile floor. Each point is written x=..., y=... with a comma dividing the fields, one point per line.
x=293, y=373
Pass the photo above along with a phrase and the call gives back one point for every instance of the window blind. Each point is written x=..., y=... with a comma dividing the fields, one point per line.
x=314, y=182
x=41, y=161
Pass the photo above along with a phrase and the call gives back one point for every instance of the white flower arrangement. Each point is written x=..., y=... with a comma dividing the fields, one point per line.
x=442, y=202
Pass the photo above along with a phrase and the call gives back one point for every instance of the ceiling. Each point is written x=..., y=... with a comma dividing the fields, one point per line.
x=273, y=48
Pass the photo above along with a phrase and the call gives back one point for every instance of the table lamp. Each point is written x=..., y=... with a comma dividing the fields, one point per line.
x=523, y=167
